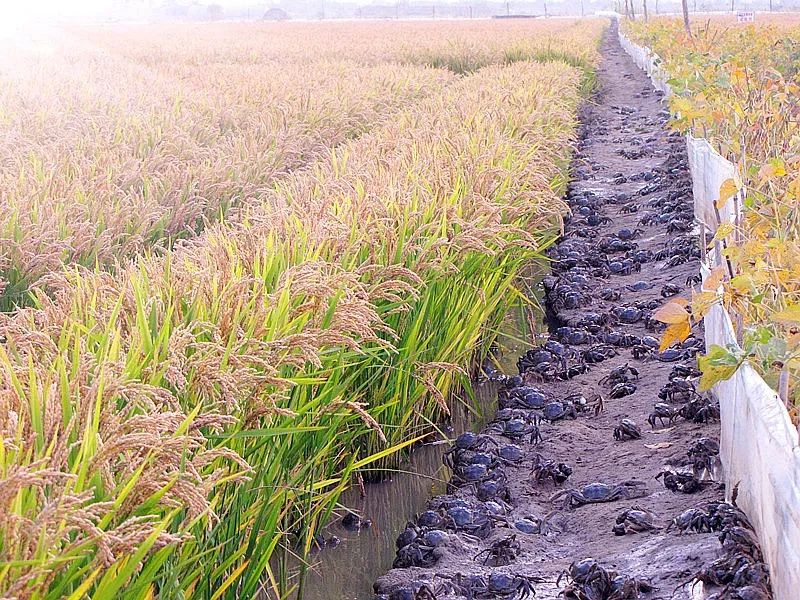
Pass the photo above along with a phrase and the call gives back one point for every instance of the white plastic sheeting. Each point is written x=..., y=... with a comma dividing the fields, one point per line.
x=759, y=450
x=758, y=442
x=649, y=62
x=709, y=170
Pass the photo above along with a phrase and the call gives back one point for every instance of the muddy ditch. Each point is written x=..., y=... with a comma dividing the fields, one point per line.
x=597, y=404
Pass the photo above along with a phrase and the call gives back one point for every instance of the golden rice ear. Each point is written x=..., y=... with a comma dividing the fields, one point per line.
x=271, y=281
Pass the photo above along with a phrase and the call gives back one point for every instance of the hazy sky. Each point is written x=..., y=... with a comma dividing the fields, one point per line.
x=38, y=8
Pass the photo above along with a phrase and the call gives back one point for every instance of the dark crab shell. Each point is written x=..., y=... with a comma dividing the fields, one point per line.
x=510, y=452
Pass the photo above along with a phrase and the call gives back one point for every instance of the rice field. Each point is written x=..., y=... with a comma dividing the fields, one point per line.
x=244, y=264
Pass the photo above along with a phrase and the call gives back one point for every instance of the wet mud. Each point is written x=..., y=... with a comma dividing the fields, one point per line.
x=515, y=518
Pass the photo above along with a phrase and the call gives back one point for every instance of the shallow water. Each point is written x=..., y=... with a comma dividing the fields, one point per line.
x=347, y=571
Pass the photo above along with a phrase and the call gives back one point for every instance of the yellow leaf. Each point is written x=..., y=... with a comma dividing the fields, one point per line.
x=789, y=316
x=672, y=312
x=715, y=373
x=676, y=332
x=723, y=231
x=658, y=446
x=714, y=279
x=742, y=283
x=702, y=302
x=681, y=105
x=727, y=191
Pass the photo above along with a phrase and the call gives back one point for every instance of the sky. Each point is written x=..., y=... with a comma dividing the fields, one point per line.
x=32, y=9
x=16, y=11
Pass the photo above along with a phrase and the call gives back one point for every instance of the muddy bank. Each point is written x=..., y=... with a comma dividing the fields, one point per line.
x=582, y=409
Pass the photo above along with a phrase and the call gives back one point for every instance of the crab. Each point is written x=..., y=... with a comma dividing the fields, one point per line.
x=680, y=480
x=582, y=404
x=568, y=300
x=610, y=295
x=509, y=454
x=460, y=460
x=572, y=371
x=646, y=346
x=464, y=474
x=622, y=340
x=678, y=225
x=588, y=580
x=722, y=571
x=477, y=523
x=675, y=260
x=540, y=361
x=574, y=336
x=639, y=286
x=694, y=279
x=516, y=428
x=704, y=451
x=525, y=397
x=543, y=372
x=544, y=468
x=661, y=412
x=629, y=234
x=640, y=256
x=739, y=538
x=593, y=322
x=533, y=525
x=416, y=590
x=467, y=441
x=493, y=488
x=683, y=371
x=678, y=390
x=622, y=374
x=725, y=514
x=415, y=554
x=699, y=410
x=502, y=552
x=598, y=353
x=557, y=348
x=627, y=314
x=641, y=351
x=353, y=522
x=594, y=493
x=629, y=208
x=623, y=389
x=595, y=219
x=627, y=428
x=692, y=519
x=411, y=533
x=635, y=519
x=669, y=289
x=504, y=586
x=674, y=354
x=610, y=245
x=625, y=266
x=557, y=410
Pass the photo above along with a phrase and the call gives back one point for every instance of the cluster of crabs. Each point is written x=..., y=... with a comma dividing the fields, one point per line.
x=603, y=296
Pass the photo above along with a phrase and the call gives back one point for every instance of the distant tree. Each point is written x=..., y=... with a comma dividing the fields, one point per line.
x=214, y=11
x=685, y=5
x=275, y=14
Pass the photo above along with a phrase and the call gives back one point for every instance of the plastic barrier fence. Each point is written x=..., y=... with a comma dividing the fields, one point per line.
x=759, y=443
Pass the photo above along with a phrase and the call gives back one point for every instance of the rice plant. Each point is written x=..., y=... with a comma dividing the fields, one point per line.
x=181, y=424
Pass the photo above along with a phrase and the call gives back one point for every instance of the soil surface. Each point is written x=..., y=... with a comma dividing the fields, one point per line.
x=628, y=167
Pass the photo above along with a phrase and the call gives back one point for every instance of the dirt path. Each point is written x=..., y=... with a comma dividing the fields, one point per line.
x=627, y=161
